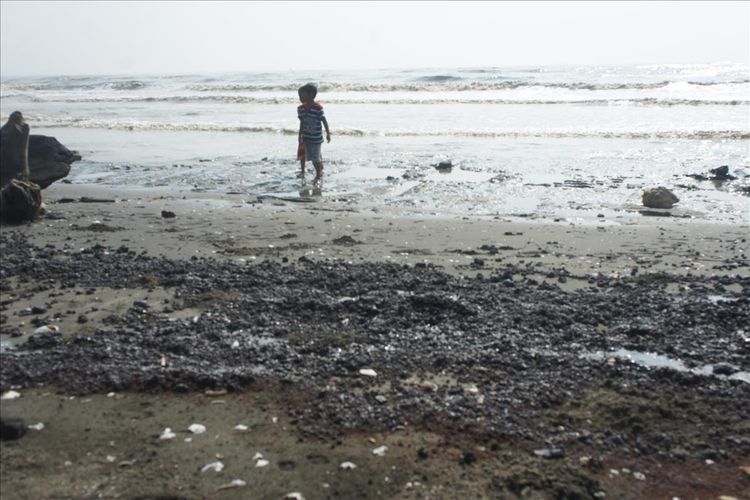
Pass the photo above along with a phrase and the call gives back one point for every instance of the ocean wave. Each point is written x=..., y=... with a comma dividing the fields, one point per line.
x=65, y=122
x=244, y=99
x=439, y=78
x=443, y=86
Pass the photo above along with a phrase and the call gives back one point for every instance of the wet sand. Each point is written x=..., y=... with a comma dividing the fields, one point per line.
x=499, y=348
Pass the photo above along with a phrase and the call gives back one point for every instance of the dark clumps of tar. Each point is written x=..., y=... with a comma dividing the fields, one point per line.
x=492, y=356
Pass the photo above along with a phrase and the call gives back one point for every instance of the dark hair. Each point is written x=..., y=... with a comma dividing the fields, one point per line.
x=309, y=89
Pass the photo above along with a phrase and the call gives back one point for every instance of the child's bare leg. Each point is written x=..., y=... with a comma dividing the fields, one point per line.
x=318, y=170
x=301, y=174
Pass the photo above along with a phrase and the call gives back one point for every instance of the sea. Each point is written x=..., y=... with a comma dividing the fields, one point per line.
x=568, y=143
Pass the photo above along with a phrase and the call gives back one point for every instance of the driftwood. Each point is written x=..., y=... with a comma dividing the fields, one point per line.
x=14, y=149
x=20, y=199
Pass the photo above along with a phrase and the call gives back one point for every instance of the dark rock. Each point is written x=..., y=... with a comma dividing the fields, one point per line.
x=467, y=458
x=423, y=453
x=20, y=201
x=549, y=452
x=725, y=369
x=168, y=215
x=82, y=319
x=49, y=160
x=12, y=429
x=444, y=166
x=38, y=310
x=659, y=197
x=721, y=174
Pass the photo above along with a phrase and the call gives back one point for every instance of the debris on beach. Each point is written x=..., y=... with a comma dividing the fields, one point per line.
x=241, y=427
x=262, y=462
x=368, y=372
x=37, y=427
x=348, y=465
x=235, y=483
x=295, y=495
x=214, y=466
x=167, y=214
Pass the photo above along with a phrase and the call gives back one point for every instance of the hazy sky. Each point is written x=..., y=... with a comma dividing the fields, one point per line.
x=174, y=37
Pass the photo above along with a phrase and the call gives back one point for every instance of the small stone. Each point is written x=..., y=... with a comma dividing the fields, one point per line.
x=549, y=452
x=467, y=458
x=262, y=463
x=295, y=495
x=659, y=197
x=368, y=372
x=166, y=214
x=12, y=429
x=423, y=453
x=639, y=476
x=240, y=427
x=37, y=427
x=725, y=369
x=348, y=465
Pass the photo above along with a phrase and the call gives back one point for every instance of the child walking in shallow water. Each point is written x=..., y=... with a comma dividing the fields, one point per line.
x=310, y=114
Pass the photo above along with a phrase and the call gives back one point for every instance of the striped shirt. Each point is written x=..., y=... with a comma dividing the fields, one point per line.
x=311, y=118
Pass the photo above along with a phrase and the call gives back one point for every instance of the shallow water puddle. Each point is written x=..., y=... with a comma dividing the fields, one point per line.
x=654, y=360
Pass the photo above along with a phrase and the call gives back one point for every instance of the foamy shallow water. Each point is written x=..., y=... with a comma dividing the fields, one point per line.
x=571, y=142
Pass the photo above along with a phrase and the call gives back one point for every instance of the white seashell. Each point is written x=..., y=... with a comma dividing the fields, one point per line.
x=167, y=434
x=47, y=329
x=380, y=451
x=348, y=465
x=295, y=495
x=257, y=456
x=368, y=372
x=262, y=463
x=11, y=395
x=236, y=344
x=214, y=466
x=240, y=427
x=236, y=483
x=37, y=427
x=197, y=428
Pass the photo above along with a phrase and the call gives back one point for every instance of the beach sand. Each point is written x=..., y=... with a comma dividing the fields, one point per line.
x=458, y=425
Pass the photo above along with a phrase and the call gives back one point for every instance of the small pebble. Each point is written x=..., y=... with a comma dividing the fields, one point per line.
x=348, y=465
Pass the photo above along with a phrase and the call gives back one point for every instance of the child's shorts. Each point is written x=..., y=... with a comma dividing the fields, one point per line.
x=312, y=152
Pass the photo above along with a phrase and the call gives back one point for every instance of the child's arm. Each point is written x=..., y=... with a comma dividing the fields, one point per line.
x=328, y=132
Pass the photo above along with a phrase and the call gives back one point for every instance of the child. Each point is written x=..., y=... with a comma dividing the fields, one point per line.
x=310, y=114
